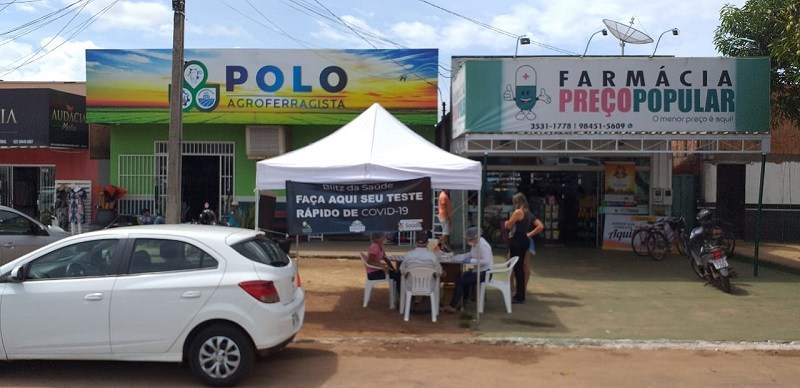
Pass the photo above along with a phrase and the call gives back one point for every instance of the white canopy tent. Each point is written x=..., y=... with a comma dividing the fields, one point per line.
x=374, y=147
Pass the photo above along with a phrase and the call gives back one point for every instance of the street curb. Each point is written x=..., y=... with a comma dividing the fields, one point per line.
x=569, y=343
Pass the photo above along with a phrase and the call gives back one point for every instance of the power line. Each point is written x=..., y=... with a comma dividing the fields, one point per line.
x=346, y=24
x=498, y=30
x=74, y=32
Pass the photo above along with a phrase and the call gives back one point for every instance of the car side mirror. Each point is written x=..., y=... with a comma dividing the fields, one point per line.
x=17, y=274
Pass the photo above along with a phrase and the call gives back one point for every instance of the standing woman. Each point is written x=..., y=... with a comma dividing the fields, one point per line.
x=518, y=225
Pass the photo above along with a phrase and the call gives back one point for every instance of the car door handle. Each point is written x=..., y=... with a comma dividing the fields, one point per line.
x=191, y=294
x=93, y=296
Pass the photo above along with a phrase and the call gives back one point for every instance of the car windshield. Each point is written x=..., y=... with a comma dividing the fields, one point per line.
x=263, y=250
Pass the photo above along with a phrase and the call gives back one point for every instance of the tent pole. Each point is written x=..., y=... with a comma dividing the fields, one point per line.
x=758, y=215
x=480, y=227
x=258, y=197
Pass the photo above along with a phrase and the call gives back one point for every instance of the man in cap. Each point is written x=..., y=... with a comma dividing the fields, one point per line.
x=480, y=254
x=420, y=256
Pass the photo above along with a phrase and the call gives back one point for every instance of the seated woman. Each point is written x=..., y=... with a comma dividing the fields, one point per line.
x=377, y=257
x=481, y=252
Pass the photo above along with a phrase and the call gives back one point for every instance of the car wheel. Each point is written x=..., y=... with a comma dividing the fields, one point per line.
x=221, y=355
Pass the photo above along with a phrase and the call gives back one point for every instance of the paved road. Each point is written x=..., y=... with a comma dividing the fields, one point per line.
x=317, y=364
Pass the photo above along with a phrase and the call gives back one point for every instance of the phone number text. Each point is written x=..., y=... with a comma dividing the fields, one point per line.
x=579, y=126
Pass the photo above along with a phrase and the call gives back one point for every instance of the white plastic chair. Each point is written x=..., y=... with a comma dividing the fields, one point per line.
x=371, y=283
x=502, y=284
x=419, y=281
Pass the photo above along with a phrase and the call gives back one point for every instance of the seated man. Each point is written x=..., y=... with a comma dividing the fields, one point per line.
x=481, y=252
x=420, y=256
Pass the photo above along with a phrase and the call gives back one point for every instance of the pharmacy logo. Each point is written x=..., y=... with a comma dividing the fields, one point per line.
x=197, y=93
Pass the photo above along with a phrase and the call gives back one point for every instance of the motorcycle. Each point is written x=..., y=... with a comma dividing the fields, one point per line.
x=708, y=255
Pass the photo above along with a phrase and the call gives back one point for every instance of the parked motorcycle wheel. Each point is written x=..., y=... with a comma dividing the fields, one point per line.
x=696, y=268
x=724, y=284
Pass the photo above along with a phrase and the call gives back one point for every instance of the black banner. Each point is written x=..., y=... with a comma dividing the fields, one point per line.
x=337, y=208
x=68, y=127
x=23, y=117
x=43, y=118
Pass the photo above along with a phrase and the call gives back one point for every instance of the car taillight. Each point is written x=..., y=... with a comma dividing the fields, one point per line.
x=297, y=278
x=717, y=253
x=262, y=290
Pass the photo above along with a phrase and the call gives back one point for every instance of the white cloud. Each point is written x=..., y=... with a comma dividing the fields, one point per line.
x=340, y=36
x=67, y=62
x=150, y=18
x=416, y=34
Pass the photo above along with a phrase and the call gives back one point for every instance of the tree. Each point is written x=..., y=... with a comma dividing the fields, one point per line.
x=768, y=28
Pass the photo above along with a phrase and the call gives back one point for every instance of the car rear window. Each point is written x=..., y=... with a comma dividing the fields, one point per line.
x=263, y=250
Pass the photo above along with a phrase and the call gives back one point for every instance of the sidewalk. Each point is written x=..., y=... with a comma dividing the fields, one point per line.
x=780, y=256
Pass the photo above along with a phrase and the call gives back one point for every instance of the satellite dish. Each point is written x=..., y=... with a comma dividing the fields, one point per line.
x=626, y=33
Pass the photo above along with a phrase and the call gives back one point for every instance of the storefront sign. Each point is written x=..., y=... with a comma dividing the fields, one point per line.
x=249, y=86
x=356, y=208
x=68, y=127
x=42, y=118
x=613, y=94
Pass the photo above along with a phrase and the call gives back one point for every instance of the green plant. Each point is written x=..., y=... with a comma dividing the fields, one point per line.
x=46, y=217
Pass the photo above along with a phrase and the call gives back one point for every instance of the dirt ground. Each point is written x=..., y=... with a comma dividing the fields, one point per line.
x=341, y=335
x=334, y=296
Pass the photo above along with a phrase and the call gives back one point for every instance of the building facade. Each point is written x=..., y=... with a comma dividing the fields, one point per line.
x=591, y=140
x=241, y=106
x=45, y=152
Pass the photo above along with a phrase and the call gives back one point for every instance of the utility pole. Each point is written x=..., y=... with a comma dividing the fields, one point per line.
x=174, y=148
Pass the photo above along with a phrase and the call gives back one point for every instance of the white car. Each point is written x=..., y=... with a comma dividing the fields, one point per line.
x=20, y=234
x=213, y=297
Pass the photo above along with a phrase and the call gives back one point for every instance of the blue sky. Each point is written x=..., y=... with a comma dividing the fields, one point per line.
x=54, y=51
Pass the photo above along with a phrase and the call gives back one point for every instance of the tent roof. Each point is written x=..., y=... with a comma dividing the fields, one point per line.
x=374, y=147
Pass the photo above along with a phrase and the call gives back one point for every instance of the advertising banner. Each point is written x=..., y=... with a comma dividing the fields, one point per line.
x=68, y=127
x=256, y=86
x=42, y=118
x=623, y=191
x=313, y=208
x=618, y=229
x=615, y=94
x=23, y=117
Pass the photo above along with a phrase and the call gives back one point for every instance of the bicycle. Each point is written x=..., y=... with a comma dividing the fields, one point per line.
x=657, y=238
